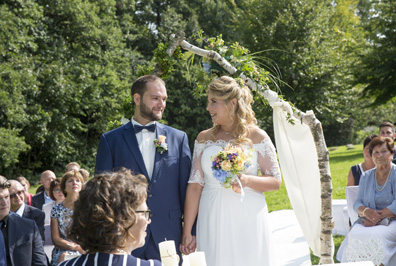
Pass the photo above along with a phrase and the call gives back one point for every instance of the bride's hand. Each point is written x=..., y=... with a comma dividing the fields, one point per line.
x=188, y=244
x=236, y=187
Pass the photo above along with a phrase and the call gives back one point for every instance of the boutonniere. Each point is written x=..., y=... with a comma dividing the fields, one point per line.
x=160, y=144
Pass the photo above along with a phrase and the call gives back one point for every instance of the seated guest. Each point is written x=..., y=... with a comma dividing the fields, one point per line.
x=26, y=185
x=56, y=195
x=387, y=129
x=373, y=236
x=17, y=197
x=20, y=241
x=110, y=220
x=61, y=216
x=43, y=197
x=72, y=166
x=357, y=170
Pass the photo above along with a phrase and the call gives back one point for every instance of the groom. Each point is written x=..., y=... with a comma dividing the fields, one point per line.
x=166, y=168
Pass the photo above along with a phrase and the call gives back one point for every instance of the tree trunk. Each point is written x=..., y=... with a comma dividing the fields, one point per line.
x=326, y=238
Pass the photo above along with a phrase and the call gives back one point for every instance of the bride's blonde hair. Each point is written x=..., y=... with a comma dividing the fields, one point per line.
x=226, y=88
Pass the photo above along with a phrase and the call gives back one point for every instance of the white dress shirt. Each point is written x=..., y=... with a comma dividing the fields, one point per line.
x=145, y=140
x=47, y=199
x=20, y=210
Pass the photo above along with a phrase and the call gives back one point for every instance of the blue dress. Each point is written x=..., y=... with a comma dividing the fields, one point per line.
x=106, y=259
x=376, y=243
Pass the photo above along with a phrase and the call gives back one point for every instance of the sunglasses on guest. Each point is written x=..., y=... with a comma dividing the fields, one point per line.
x=19, y=193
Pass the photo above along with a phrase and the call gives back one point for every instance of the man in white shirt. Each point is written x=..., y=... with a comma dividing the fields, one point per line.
x=19, y=207
x=20, y=242
x=159, y=152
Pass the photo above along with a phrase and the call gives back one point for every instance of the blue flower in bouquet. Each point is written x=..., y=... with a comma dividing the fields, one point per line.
x=229, y=163
x=220, y=175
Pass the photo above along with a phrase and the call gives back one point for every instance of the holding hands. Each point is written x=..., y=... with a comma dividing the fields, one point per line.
x=188, y=244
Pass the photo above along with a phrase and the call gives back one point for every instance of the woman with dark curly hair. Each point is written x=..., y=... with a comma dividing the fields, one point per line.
x=110, y=220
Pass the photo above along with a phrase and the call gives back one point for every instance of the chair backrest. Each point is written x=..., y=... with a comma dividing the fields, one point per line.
x=350, y=194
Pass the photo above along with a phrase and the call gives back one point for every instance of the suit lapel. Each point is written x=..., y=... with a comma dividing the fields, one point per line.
x=12, y=233
x=158, y=157
x=131, y=140
x=26, y=211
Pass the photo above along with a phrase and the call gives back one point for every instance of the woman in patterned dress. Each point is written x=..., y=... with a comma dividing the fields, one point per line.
x=61, y=215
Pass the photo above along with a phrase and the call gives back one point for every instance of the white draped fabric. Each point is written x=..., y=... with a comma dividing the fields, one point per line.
x=299, y=165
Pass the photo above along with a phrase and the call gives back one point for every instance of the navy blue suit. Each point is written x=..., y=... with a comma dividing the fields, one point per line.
x=24, y=242
x=167, y=187
x=38, y=200
x=36, y=215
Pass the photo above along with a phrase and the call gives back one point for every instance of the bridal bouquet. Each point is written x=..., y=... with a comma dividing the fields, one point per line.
x=229, y=163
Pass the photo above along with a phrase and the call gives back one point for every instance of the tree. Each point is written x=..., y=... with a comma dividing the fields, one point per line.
x=67, y=69
x=313, y=46
x=17, y=45
x=376, y=73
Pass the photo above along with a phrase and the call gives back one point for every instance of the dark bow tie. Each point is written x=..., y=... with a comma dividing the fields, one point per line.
x=138, y=128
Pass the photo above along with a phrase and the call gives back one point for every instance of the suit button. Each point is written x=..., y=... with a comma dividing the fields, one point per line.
x=150, y=195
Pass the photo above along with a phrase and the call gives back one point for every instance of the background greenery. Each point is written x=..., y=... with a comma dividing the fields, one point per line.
x=66, y=68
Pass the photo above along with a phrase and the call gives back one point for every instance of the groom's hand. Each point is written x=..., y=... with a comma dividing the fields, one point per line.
x=188, y=244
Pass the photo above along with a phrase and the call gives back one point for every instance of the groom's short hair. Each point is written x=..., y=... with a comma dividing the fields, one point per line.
x=139, y=86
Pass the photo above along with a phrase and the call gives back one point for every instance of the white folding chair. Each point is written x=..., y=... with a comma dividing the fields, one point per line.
x=350, y=194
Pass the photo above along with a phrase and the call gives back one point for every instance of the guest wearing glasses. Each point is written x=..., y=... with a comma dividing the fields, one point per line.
x=20, y=241
x=56, y=195
x=18, y=206
x=373, y=235
x=110, y=220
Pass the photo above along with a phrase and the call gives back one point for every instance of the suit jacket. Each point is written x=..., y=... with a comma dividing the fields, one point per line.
x=24, y=242
x=167, y=187
x=38, y=200
x=36, y=215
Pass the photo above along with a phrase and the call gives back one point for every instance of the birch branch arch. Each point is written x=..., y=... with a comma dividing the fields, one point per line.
x=318, y=228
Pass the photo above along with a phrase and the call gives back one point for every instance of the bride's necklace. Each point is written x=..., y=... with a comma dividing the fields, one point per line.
x=227, y=132
x=378, y=187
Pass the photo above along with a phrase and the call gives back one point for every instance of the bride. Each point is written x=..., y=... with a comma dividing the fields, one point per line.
x=229, y=230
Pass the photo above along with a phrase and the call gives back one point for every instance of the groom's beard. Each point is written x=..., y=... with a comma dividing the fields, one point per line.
x=148, y=114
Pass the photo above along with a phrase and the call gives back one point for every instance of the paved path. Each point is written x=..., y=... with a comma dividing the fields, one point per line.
x=290, y=246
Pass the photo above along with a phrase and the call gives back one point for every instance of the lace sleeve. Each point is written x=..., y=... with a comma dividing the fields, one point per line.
x=267, y=160
x=196, y=175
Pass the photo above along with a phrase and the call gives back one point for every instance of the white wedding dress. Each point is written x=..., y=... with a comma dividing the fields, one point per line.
x=229, y=231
